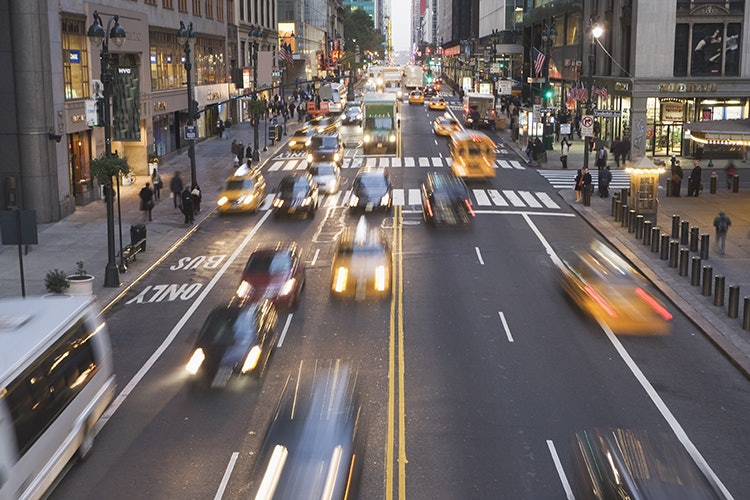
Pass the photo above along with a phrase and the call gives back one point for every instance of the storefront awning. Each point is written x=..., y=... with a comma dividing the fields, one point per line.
x=730, y=132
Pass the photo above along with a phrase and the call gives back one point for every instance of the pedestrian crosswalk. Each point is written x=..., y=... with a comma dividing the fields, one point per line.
x=481, y=199
x=565, y=179
x=297, y=161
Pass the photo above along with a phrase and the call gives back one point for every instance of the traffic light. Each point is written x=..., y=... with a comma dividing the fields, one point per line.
x=99, y=112
x=548, y=93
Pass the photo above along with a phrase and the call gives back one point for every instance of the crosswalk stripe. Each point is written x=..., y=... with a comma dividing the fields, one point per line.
x=497, y=198
x=398, y=197
x=415, y=197
x=529, y=199
x=517, y=164
x=396, y=162
x=409, y=162
x=276, y=165
x=424, y=162
x=371, y=162
x=332, y=200
x=437, y=161
x=302, y=165
x=515, y=200
x=503, y=163
x=548, y=202
x=481, y=197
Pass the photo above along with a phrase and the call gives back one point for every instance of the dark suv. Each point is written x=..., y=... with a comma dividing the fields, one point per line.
x=326, y=147
x=297, y=195
x=371, y=190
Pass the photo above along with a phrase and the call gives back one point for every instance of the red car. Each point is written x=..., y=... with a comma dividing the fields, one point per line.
x=274, y=272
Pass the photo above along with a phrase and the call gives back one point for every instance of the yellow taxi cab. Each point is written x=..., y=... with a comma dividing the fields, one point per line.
x=445, y=125
x=473, y=155
x=437, y=104
x=361, y=264
x=244, y=191
x=416, y=97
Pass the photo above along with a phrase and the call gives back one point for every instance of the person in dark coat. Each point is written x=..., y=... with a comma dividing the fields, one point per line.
x=677, y=176
x=579, y=186
x=601, y=158
x=187, y=205
x=197, y=197
x=175, y=186
x=605, y=177
x=588, y=186
x=147, y=201
x=694, y=181
x=249, y=152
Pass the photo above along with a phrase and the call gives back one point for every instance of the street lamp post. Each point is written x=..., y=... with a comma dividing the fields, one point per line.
x=549, y=35
x=256, y=33
x=595, y=31
x=99, y=36
x=186, y=38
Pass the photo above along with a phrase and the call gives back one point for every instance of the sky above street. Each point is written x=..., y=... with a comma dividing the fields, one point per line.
x=401, y=23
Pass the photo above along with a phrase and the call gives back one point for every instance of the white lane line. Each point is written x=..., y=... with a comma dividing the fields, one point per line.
x=479, y=256
x=180, y=324
x=645, y=384
x=560, y=471
x=315, y=257
x=505, y=326
x=227, y=474
x=285, y=329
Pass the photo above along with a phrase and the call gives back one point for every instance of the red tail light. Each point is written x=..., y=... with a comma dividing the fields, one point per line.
x=600, y=300
x=655, y=305
x=429, y=207
x=469, y=208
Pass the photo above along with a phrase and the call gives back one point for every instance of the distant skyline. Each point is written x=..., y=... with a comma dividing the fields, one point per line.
x=401, y=24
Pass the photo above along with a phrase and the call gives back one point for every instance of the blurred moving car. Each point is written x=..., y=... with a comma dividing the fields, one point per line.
x=371, y=190
x=473, y=155
x=636, y=465
x=416, y=97
x=327, y=175
x=326, y=147
x=361, y=264
x=323, y=124
x=430, y=91
x=445, y=125
x=301, y=138
x=315, y=444
x=274, y=272
x=605, y=286
x=353, y=113
x=297, y=194
x=244, y=191
x=445, y=200
x=437, y=104
x=234, y=341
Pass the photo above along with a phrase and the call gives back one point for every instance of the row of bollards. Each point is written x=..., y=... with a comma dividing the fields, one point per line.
x=675, y=248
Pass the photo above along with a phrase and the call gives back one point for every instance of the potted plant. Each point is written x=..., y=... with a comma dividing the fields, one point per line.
x=153, y=163
x=103, y=168
x=56, y=281
x=81, y=283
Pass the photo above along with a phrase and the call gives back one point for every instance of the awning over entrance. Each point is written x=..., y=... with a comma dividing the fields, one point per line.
x=729, y=132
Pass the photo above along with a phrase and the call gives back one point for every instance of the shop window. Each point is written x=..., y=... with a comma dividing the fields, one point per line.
x=165, y=58
x=707, y=49
x=75, y=59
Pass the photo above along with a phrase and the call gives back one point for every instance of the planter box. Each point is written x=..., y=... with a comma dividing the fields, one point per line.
x=81, y=285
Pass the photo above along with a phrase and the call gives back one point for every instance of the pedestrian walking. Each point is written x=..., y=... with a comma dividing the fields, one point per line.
x=722, y=223
x=588, y=186
x=601, y=158
x=564, y=150
x=157, y=183
x=605, y=177
x=249, y=152
x=195, y=192
x=291, y=109
x=694, y=181
x=731, y=171
x=187, y=205
x=233, y=147
x=175, y=188
x=147, y=201
x=220, y=128
x=677, y=176
x=240, y=151
x=529, y=150
x=579, y=186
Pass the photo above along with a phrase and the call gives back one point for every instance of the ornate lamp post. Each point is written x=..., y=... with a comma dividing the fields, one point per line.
x=99, y=36
x=255, y=34
x=186, y=38
x=595, y=31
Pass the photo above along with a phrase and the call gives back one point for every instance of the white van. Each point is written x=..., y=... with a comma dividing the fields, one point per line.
x=56, y=380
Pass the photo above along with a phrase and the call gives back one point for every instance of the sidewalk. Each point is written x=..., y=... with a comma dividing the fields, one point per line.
x=83, y=234
x=725, y=332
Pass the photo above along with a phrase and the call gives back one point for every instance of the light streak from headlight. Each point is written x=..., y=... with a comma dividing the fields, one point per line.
x=244, y=290
x=251, y=361
x=333, y=467
x=196, y=360
x=287, y=287
x=273, y=473
x=222, y=200
x=380, y=278
x=660, y=310
x=385, y=199
x=339, y=283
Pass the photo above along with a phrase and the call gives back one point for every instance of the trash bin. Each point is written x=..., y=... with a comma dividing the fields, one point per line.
x=272, y=133
x=549, y=142
x=138, y=233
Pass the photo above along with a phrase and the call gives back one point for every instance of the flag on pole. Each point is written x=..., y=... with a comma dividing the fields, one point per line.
x=538, y=58
x=285, y=54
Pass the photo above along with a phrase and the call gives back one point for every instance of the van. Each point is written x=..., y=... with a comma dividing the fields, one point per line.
x=56, y=380
x=473, y=155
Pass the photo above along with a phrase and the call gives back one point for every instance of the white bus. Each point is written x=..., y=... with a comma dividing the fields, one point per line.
x=56, y=380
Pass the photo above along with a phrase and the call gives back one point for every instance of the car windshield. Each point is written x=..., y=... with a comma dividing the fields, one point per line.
x=369, y=250
x=326, y=142
x=370, y=181
x=322, y=170
x=277, y=263
x=291, y=185
x=229, y=326
x=239, y=184
x=380, y=122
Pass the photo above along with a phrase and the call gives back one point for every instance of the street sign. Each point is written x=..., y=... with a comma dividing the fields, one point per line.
x=587, y=126
x=535, y=80
x=191, y=132
x=504, y=87
x=607, y=113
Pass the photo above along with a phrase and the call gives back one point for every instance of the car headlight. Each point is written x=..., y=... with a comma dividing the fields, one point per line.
x=287, y=287
x=339, y=279
x=380, y=278
x=278, y=202
x=307, y=143
x=221, y=201
x=353, y=200
x=306, y=201
x=292, y=143
x=246, y=200
x=336, y=157
x=385, y=199
x=244, y=290
x=392, y=138
x=251, y=361
x=309, y=158
x=331, y=185
x=196, y=360
x=367, y=138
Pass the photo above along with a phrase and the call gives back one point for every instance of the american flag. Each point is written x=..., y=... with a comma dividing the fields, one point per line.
x=285, y=54
x=538, y=57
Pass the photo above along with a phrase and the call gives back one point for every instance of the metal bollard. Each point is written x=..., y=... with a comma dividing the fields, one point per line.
x=712, y=183
x=705, y=237
x=615, y=199
x=736, y=183
x=708, y=273
x=655, y=237
x=719, y=290
x=631, y=221
x=746, y=315
x=586, y=196
x=624, y=193
x=669, y=187
x=695, y=277
x=675, y=226
x=694, y=234
x=639, y=227
x=684, y=232
x=734, y=301
x=684, y=254
x=647, y=227
x=664, y=253
x=625, y=210
x=618, y=211
x=674, y=252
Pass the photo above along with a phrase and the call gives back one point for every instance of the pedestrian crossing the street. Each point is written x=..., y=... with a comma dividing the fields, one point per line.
x=297, y=161
x=565, y=179
x=482, y=199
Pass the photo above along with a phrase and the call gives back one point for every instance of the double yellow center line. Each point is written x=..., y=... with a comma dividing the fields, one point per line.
x=396, y=361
